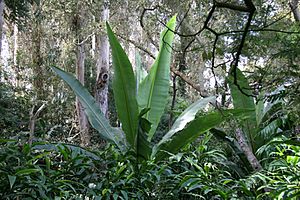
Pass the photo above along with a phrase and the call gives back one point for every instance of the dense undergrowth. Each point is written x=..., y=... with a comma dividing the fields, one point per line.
x=61, y=171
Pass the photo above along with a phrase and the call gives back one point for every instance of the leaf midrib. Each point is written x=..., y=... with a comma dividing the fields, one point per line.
x=125, y=94
x=81, y=97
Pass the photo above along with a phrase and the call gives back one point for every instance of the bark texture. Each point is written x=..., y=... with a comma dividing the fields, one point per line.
x=102, y=64
x=85, y=136
x=1, y=27
x=14, y=55
x=294, y=5
x=37, y=59
x=247, y=150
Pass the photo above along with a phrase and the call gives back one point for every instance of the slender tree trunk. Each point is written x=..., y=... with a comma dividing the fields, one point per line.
x=82, y=118
x=101, y=89
x=1, y=31
x=247, y=150
x=32, y=119
x=93, y=50
x=294, y=5
x=85, y=136
x=15, y=44
x=14, y=55
x=37, y=59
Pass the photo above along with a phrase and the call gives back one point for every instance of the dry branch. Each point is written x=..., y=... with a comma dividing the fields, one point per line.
x=33, y=117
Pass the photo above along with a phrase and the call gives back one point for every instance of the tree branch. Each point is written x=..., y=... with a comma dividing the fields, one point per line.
x=137, y=45
x=33, y=117
x=231, y=6
x=189, y=82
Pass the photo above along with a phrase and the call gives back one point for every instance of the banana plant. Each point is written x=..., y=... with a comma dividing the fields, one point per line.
x=140, y=107
x=260, y=127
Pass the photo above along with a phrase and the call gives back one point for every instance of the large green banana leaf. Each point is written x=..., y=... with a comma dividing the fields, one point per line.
x=189, y=114
x=242, y=99
x=92, y=110
x=154, y=90
x=124, y=88
x=173, y=143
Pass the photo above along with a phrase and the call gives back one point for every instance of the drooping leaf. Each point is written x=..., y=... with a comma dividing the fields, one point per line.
x=72, y=147
x=222, y=136
x=92, y=110
x=276, y=141
x=271, y=109
x=173, y=143
x=124, y=87
x=189, y=114
x=270, y=129
x=154, y=90
x=12, y=180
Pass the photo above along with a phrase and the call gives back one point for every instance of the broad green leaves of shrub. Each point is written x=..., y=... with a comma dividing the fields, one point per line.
x=140, y=110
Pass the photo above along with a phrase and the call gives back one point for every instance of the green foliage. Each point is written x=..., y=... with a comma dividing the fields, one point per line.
x=18, y=10
x=124, y=88
x=280, y=180
x=124, y=93
x=13, y=111
x=173, y=142
x=96, y=117
x=242, y=98
x=154, y=89
x=265, y=122
x=60, y=172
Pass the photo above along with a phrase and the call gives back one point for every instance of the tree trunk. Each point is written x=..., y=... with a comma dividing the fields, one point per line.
x=247, y=150
x=14, y=55
x=1, y=30
x=15, y=44
x=101, y=88
x=37, y=59
x=82, y=118
x=294, y=4
x=85, y=136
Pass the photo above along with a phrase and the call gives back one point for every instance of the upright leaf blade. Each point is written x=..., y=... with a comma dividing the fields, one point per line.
x=124, y=88
x=154, y=90
x=259, y=110
x=92, y=110
x=242, y=99
x=242, y=96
